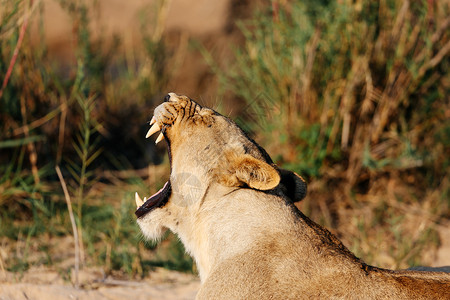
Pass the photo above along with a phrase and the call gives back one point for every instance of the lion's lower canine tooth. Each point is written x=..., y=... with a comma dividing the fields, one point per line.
x=152, y=130
x=160, y=138
x=138, y=199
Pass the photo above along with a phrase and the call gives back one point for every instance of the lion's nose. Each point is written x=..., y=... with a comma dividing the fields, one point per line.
x=167, y=98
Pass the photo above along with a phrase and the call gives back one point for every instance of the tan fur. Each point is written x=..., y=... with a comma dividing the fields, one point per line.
x=239, y=223
x=244, y=169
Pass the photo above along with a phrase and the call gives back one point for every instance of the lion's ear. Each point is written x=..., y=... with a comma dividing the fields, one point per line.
x=255, y=173
x=293, y=185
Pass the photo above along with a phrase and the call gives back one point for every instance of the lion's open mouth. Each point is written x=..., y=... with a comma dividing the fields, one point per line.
x=162, y=196
x=157, y=200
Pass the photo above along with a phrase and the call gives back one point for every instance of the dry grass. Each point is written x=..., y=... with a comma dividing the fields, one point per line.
x=354, y=95
x=351, y=94
x=86, y=117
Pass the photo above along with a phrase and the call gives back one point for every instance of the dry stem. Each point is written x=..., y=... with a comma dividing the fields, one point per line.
x=74, y=225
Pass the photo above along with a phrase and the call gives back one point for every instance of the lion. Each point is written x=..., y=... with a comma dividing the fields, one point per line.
x=233, y=209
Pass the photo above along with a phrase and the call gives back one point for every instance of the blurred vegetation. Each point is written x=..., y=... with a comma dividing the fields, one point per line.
x=351, y=80
x=74, y=114
x=352, y=94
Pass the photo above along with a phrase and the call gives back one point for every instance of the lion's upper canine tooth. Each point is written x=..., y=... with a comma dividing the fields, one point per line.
x=152, y=121
x=138, y=199
x=160, y=138
x=155, y=128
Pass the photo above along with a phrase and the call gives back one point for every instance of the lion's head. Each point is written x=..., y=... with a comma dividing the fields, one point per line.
x=207, y=149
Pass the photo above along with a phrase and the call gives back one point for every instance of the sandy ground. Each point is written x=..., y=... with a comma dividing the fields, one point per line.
x=45, y=284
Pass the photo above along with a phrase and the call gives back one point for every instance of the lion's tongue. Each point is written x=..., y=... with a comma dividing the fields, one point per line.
x=155, y=201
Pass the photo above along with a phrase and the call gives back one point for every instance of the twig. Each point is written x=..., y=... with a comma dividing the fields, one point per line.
x=2, y=266
x=39, y=122
x=74, y=225
x=62, y=128
x=117, y=282
x=23, y=29
x=31, y=148
x=436, y=59
x=275, y=11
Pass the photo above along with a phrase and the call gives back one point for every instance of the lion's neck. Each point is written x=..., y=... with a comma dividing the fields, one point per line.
x=195, y=238
x=229, y=225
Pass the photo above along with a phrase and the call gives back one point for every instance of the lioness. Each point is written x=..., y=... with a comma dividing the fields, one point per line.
x=233, y=210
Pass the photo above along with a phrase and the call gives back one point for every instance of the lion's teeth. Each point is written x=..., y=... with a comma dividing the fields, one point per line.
x=153, y=129
x=160, y=138
x=152, y=121
x=138, y=199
